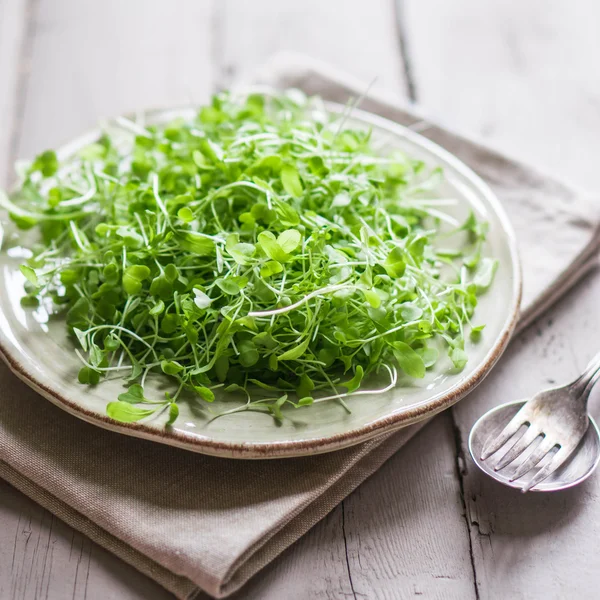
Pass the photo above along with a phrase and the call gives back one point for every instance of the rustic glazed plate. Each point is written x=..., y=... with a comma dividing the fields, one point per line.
x=38, y=350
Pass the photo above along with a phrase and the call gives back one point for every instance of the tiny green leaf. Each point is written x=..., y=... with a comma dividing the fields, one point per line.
x=171, y=367
x=158, y=308
x=306, y=401
x=429, y=356
x=410, y=362
x=173, y=414
x=126, y=412
x=296, y=351
x=248, y=353
x=289, y=240
x=228, y=286
x=270, y=268
x=89, y=376
x=82, y=337
x=394, y=263
x=133, y=395
x=133, y=277
x=372, y=297
x=485, y=274
x=271, y=247
x=291, y=181
x=476, y=332
x=185, y=214
x=355, y=382
x=29, y=274
x=275, y=408
x=459, y=358
x=306, y=386
x=204, y=393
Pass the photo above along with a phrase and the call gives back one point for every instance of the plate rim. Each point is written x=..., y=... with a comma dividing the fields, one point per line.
x=287, y=449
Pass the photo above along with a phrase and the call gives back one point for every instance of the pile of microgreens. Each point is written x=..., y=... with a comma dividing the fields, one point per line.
x=262, y=246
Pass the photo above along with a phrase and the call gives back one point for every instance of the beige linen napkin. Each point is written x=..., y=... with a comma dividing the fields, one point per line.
x=193, y=522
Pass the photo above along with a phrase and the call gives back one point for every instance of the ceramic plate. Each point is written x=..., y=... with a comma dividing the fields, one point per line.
x=39, y=352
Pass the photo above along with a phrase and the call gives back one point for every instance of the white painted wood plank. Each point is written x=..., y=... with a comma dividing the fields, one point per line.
x=313, y=568
x=401, y=534
x=405, y=528
x=88, y=60
x=41, y=558
x=537, y=545
x=68, y=91
x=392, y=522
x=13, y=25
x=522, y=75
x=356, y=35
x=518, y=75
x=93, y=60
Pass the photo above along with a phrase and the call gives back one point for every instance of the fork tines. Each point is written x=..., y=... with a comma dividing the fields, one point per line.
x=533, y=445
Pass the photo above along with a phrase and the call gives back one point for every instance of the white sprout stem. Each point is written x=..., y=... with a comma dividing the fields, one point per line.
x=392, y=330
x=77, y=237
x=214, y=238
x=142, y=230
x=133, y=127
x=320, y=292
x=108, y=369
x=393, y=380
x=102, y=175
x=125, y=330
x=85, y=197
x=159, y=202
x=443, y=217
x=6, y=203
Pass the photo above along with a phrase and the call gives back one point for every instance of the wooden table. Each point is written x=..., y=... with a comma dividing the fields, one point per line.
x=524, y=77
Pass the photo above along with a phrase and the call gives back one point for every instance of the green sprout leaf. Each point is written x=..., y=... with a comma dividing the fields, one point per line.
x=133, y=395
x=133, y=278
x=410, y=362
x=173, y=413
x=476, y=333
x=262, y=245
x=296, y=351
x=126, y=412
x=289, y=240
x=29, y=274
x=355, y=382
x=291, y=181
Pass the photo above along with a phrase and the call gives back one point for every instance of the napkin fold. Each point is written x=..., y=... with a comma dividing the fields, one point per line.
x=194, y=522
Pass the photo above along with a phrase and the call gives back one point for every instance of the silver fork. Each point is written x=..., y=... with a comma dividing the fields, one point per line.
x=557, y=418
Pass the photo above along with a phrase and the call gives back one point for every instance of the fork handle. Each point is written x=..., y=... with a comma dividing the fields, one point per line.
x=583, y=385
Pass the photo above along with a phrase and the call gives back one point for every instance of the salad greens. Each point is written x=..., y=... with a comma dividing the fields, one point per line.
x=262, y=246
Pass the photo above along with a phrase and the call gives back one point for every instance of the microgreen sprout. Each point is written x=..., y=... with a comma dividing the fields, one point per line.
x=262, y=246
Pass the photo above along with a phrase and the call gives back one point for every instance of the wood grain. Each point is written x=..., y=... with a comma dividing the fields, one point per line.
x=42, y=558
x=385, y=540
x=15, y=36
x=79, y=87
x=385, y=535
x=356, y=35
x=405, y=529
x=83, y=61
x=93, y=60
x=538, y=545
x=518, y=75
x=315, y=567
